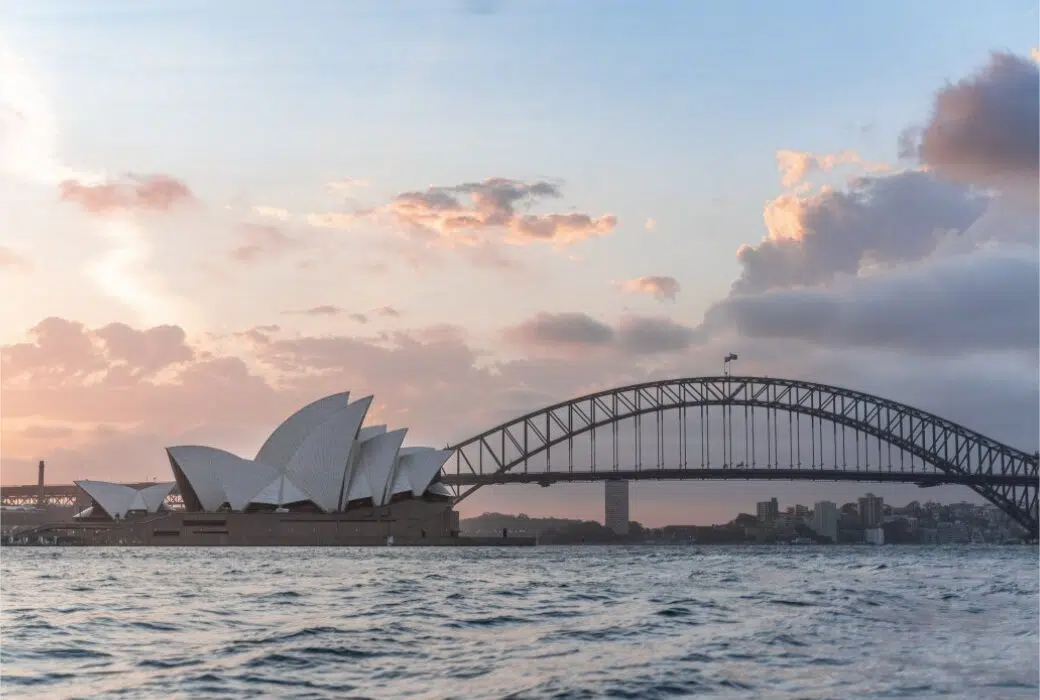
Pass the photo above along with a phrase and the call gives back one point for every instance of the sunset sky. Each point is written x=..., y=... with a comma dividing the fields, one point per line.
x=214, y=212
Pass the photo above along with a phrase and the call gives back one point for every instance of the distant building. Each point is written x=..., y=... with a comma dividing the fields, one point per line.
x=874, y=535
x=767, y=511
x=825, y=520
x=871, y=511
x=801, y=511
x=615, y=494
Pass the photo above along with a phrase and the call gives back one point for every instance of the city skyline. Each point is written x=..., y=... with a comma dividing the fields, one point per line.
x=508, y=208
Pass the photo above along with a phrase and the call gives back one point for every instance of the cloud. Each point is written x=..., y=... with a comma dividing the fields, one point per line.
x=323, y=310
x=333, y=220
x=29, y=133
x=331, y=310
x=795, y=166
x=345, y=184
x=568, y=328
x=14, y=261
x=60, y=352
x=980, y=301
x=29, y=152
x=644, y=335
x=272, y=213
x=262, y=240
x=661, y=287
x=460, y=214
x=146, y=192
x=896, y=218
x=983, y=129
x=568, y=331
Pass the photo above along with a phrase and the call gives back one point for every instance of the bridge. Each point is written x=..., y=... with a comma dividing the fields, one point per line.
x=748, y=428
x=723, y=427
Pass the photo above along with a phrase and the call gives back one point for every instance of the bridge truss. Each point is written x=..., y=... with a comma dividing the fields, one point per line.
x=745, y=428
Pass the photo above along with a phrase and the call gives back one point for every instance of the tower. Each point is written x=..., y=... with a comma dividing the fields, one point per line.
x=615, y=495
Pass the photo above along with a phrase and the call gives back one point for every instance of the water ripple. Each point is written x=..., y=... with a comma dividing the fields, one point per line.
x=551, y=622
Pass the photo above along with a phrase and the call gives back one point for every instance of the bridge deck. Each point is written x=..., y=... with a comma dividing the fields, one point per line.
x=552, y=477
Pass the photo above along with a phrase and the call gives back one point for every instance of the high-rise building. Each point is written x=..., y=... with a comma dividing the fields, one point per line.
x=825, y=520
x=871, y=511
x=615, y=497
x=766, y=511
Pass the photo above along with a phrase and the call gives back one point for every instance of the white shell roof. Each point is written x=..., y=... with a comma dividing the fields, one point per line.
x=375, y=467
x=322, y=454
x=422, y=466
x=119, y=499
x=287, y=437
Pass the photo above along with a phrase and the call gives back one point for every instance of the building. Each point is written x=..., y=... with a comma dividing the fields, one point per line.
x=615, y=498
x=767, y=511
x=825, y=520
x=871, y=511
x=874, y=535
x=321, y=478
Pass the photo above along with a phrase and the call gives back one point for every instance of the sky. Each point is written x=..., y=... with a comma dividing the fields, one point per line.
x=213, y=213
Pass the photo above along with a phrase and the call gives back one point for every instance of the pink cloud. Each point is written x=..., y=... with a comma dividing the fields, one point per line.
x=149, y=192
x=795, y=166
x=464, y=214
x=14, y=261
x=661, y=287
x=261, y=240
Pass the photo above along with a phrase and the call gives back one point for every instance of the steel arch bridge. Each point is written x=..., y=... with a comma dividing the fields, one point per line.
x=728, y=427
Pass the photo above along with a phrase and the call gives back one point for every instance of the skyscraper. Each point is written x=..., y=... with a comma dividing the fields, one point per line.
x=615, y=494
x=766, y=511
x=871, y=511
x=825, y=520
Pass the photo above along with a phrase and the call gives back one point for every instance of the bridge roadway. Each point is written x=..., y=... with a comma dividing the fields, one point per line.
x=546, y=478
x=70, y=494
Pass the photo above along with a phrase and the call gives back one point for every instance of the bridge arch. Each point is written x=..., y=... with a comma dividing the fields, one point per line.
x=940, y=451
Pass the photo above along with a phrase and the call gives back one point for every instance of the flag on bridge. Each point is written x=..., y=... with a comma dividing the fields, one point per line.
x=730, y=357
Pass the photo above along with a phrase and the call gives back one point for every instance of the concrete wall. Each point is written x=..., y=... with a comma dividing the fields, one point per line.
x=415, y=522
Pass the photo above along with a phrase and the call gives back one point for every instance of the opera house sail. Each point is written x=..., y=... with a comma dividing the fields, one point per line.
x=321, y=477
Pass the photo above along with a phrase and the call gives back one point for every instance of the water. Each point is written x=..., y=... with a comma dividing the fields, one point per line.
x=574, y=622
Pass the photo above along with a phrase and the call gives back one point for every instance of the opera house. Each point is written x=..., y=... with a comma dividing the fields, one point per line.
x=321, y=478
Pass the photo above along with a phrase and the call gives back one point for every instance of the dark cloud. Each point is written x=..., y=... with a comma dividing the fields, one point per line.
x=644, y=335
x=573, y=329
x=638, y=335
x=322, y=310
x=986, y=128
x=980, y=301
x=460, y=213
x=894, y=218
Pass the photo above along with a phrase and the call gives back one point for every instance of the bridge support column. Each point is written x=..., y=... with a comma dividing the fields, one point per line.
x=615, y=497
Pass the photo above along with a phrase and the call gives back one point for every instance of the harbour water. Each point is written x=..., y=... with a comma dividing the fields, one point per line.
x=563, y=622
